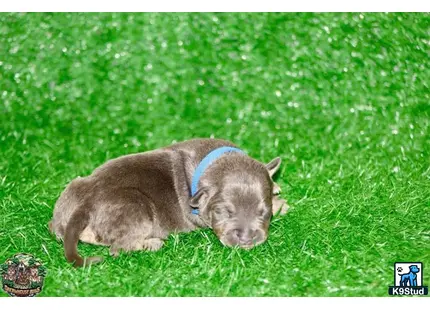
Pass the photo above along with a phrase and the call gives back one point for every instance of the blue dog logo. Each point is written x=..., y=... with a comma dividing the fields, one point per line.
x=408, y=283
x=410, y=277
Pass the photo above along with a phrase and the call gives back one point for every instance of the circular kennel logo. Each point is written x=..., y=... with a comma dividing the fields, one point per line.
x=22, y=275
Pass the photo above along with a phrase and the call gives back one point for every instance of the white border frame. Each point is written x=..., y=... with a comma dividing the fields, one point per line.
x=214, y=303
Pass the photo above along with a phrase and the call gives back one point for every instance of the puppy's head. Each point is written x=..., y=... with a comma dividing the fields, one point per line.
x=237, y=200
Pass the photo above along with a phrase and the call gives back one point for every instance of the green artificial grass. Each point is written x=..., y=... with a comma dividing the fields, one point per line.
x=343, y=99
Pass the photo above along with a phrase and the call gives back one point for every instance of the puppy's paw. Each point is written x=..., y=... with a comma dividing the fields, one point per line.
x=279, y=206
x=153, y=244
x=114, y=251
x=276, y=189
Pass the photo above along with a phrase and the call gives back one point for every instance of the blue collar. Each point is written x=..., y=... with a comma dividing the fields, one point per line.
x=204, y=164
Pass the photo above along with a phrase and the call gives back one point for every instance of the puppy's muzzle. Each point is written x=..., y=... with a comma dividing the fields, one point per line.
x=244, y=237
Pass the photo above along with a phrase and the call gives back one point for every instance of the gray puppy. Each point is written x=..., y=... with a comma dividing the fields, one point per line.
x=135, y=201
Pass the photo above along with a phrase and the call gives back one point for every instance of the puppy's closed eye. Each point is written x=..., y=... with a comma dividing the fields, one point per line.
x=263, y=212
x=224, y=212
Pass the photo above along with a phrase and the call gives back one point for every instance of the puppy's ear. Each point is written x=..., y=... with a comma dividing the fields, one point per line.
x=273, y=166
x=200, y=199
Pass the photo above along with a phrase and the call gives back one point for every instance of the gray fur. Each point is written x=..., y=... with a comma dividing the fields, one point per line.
x=135, y=201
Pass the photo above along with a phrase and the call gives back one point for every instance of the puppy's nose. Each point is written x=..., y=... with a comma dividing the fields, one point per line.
x=246, y=236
